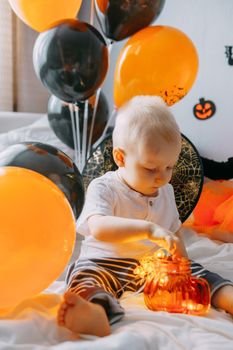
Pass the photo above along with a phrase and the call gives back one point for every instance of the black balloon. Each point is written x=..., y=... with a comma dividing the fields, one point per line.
x=122, y=18
x=52, y=163
x=71, y=60
x=60, y=119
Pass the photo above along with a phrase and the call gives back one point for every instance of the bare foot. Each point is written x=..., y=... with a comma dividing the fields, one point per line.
x=81, y=316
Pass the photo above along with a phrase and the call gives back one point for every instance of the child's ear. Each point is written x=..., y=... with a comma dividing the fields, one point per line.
x=119, y=157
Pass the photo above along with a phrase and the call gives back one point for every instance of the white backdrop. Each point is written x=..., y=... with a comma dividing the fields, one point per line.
x=209, y=23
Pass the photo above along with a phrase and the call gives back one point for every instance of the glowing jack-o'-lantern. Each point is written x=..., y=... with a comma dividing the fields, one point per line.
x=204, y=109
x=170, y=287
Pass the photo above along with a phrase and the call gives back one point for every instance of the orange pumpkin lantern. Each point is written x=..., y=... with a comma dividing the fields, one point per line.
x=172, y=288
x=204, y=109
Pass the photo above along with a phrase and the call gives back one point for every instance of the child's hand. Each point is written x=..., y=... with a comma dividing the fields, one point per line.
x=163, y=238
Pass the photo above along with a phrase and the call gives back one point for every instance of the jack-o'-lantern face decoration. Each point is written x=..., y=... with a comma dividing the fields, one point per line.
x=204, y=109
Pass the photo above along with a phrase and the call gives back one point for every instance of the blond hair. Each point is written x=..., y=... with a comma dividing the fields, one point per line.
x=143, y=118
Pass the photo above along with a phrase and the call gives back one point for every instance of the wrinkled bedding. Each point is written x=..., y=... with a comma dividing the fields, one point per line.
x=32, y=324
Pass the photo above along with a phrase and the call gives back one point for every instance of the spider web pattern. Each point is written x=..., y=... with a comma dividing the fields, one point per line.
x=187, y=179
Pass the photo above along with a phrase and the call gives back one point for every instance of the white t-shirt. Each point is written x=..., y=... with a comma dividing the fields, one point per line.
x=108, y=195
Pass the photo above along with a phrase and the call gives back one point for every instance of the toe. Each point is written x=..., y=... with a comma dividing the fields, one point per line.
x=60, y=319
x=71, y=298
x=61, y=313
x=64, y=306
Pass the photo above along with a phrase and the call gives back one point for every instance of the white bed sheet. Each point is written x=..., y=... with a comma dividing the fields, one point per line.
x=39, y=131
x=32, y=324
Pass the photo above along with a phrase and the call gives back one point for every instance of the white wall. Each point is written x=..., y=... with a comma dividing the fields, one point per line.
x=32, y=96
x=6, y=62
x=209, y=23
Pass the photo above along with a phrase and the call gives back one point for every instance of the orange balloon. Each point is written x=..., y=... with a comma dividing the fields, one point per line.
x=102, y=5
x=157, y=60
x=224, y=215
x=42, y=14
x=214, y=194
x=37, y=234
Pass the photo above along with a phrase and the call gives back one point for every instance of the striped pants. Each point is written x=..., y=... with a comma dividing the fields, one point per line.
x=104, y=280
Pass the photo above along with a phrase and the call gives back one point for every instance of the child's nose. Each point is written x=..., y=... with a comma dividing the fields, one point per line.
x=161, y=177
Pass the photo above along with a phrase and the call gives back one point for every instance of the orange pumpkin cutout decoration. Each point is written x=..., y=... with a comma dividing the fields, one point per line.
x=204, y=109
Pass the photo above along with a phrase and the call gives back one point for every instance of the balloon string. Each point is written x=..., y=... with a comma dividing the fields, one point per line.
x=92, y=12
x=71, y=108
x=108, y=123
x=78, y=136
x=105, y=130
x=93, y=121
x=110, y=45
x=84, y=141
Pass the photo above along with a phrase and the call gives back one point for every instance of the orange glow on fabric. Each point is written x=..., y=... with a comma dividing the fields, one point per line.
x=158, y=60
x=37, y=234
x=41, y=14
x=214, y=193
